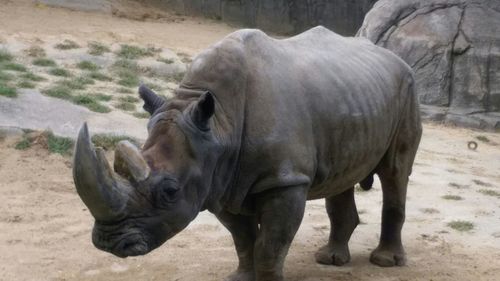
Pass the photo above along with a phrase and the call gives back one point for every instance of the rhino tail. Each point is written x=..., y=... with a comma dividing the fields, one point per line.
x=367, y=183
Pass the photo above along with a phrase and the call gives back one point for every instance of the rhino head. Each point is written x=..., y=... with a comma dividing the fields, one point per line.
x=150, y=194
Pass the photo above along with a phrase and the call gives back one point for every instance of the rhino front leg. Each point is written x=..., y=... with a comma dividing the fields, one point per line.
x=279, y=213
x=244, y=232
x=344, y=218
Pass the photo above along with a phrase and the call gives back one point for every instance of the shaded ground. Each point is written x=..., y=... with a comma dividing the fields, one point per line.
x=45, y=228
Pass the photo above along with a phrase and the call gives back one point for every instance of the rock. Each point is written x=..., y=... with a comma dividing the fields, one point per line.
x=82, y=5
x=280, y=16
x=453, y=47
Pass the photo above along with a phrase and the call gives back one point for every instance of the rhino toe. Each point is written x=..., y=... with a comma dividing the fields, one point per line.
x=332, y=255
x=387, y=258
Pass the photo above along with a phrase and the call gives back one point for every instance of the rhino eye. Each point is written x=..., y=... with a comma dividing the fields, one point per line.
x=166, y=195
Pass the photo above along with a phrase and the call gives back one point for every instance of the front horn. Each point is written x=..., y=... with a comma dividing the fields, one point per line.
x=95, y=182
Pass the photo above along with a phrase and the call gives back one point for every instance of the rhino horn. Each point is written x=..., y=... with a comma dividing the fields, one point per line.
x=151, y=100
x=129, y=163
x=95, y=182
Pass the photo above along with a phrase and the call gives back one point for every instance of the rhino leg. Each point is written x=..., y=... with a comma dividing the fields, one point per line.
x=244, y=232
x=279, y=212
x=344, y=218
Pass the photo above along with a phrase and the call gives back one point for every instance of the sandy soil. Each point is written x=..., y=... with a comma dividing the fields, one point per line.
x=45, y=229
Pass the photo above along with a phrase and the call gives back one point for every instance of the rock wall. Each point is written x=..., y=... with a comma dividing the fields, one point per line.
x=453, y=47
x=280, y=16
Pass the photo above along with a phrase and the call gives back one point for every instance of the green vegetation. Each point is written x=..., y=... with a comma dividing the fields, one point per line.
x=129, y=99
x=58, y=91
x=5, y=56
x=102, y=97
x=32, y=77
x=489, y=192
x=127, y=106
x=91, y=103
x=14, y=67
x=109, y=142
x=176, y=77
x=25, y=84
x=4, y=77
x=429, y=210
x=461, y=226
x=67, y=45
x=60, y=72
x=166, y=61
x=97, y=48
x=87, y=65
x=481, y=183
x=141, y=115
x=122, y=64
x=483, y=138
x=458, y=186
x=99, y=76
x=35, y=51
x=135, y=52
x=125, y=91
x=44, y=62
x=23, y=144
x=79, y=83
x=185, y=58
x=59, y=145
x=452, y=197
x=7, y=91
x=128, y=78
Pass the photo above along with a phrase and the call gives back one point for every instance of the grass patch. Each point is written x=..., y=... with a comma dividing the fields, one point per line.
x=185, y=58
x=97, y=48
x=126, y=106
x=23, y=144
x=79, y=83
x=60, y=72
x=91, y=103
x=7, y=91
x=67, y=45
x=61, y=145
x=58, y=91
x=44, y=62
x=87, y=65
x=109, y=141
x=461, y=226
x=429, y=211
x=102, y=97
x=99, y=76
x=489, y=192
x=32, y=77
x=129, y=99
x=176, y=77
x=5, y=56
x=166, y=61
x=35, y=51
x=128, y=78
x=135, y=52
x=483, y=139
x=122, y=64
x=154, y=86
x=4, y=77
x=14, y=67
x=125, y=91
x=482, y=183
x=452, y=197
x=26, y=84
x=141, y=115
x=458, y=186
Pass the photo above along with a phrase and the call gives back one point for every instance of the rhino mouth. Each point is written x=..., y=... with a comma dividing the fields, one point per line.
x=130, y=246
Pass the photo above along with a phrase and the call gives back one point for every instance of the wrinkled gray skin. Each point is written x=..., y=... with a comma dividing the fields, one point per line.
x=257, y=127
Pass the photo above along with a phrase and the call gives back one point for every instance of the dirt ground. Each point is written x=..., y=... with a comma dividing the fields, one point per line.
x=45, y=230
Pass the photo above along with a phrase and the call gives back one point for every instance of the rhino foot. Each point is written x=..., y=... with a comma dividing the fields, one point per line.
x=333, y=255
x=386, y=257
x=241, y=276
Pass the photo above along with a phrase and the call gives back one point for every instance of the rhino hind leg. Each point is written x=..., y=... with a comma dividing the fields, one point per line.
x=344, y=218
x=244, y=232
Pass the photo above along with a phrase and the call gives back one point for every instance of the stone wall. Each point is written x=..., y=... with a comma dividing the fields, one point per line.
x=279, y=16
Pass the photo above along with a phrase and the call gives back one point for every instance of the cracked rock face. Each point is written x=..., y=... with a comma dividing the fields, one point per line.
x=452, y=45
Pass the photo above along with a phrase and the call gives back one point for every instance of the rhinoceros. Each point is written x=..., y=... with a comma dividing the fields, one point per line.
x=257, y=127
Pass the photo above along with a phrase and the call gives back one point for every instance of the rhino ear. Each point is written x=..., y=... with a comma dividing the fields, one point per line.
x=151, y=100
x=203, y=110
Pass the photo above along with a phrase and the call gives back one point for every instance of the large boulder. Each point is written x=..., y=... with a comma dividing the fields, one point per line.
x=454, y=49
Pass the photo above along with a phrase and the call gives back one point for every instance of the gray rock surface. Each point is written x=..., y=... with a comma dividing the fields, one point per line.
x=82, y=5
x=32, y=110
x=281, y=16
x=454, y=49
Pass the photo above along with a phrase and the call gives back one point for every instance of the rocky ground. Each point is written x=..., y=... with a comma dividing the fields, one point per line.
x=452, y=230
